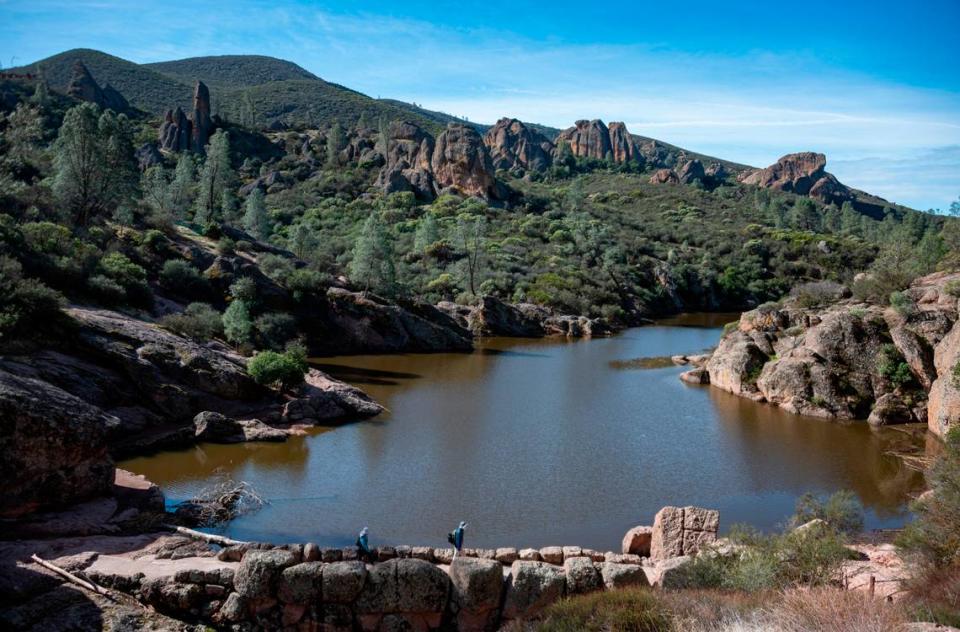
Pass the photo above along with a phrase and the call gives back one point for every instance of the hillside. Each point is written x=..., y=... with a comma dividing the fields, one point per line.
x=232, y=71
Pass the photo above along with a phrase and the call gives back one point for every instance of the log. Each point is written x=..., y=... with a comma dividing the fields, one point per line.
x=70, y=577
x=206, y=537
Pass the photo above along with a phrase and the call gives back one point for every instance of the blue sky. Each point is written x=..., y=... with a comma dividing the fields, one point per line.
x=874, y=85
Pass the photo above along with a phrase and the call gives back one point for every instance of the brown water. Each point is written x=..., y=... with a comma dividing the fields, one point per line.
x=538, y=442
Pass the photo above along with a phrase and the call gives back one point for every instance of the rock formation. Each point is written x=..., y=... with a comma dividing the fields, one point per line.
x=82, y=86
x=178, y=132
x=621, y=144
x=587, y=139
x=829, y=361
x=664, y=176
x=408, y=161
x=679, y=531
x=513, y=145
x=802, y=173
x=461, y=164
x=493, y=317
x=691, y=171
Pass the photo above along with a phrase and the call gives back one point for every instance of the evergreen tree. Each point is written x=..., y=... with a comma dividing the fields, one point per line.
x=427, y=232
x=94, y=165
x=372, y=265
x=181, y=189
x=156, y=194
x=229, y=207
x=237, y=323
x=383, y=136
x=472, y=233
x=334, y=144
x=300, y=240
x=255, y=219
x=217, y=176
x=805, y=215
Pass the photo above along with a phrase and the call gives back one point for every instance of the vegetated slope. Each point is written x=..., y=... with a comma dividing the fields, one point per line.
x=232, y=71
x=275, y=90
x=144, y=88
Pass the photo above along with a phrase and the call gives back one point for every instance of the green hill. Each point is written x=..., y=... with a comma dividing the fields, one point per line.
x=232, y=71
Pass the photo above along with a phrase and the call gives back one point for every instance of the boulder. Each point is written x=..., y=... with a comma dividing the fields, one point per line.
x=214, y=427
x=890, y=409
x=801, y=173
x=343, y=581
x=477, y=587
x=664, y=176
x=552, y=554
x=506, y=555
x=513, y=145
x=943, y=407
x=404, y=586
x=691, y=171
x=699, y=375
x=322, y=399
x=679, y=531
x=669, y=573
x=531, y=587
x=259, y=573
x=637, y=541
x=530, y=555
x=407, y=165
x=301, y=583
x=582, y=575
x=53, y=447
x=617, y=576
x=736, y=364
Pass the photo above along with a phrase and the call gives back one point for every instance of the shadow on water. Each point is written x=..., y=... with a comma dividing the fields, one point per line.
x=489, y=351
x=361, y=375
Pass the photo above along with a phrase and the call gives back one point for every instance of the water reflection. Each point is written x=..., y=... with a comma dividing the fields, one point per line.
x=539, y=442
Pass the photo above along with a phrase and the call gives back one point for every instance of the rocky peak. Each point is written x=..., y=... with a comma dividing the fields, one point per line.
x=461, y=163
x=587, y=139
x=513, y=145
x=408, y=161
x=802, y=173
x=178, y=132
x=84, y=87
x=621, y=143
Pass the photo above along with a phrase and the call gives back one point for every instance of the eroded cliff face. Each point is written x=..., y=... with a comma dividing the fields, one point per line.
x=841, y=360
x=802, y=173
x=587, y=139
x=513, y=145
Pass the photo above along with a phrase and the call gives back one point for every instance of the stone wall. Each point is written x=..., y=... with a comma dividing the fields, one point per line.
x=258, y=586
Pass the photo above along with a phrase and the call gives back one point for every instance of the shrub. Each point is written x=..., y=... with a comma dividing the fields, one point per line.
x=244, y=289
x=130, y=277
x=833, y=609
x=25, y=304
x=902, y=303
x=281, y=370
x=952, y=288
x=226, y=246
x=198, y=321
x=182, y=278
x=891, y=365
x=277, y=268
x=818, y=293
x=275, y=329
x=304, y=283
x=106, y=290
x=636, y=610
x=956, y=374
x=841, y=510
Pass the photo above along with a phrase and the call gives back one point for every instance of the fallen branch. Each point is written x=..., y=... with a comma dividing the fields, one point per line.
x=206, y=537
x=70, y=577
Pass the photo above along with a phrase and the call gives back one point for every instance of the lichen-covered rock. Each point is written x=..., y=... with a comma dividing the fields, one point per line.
x=552, y=554
x=404, y=586
x=582, y=575
x=301, y=583
x=736, y=364
x=259, y=573
x=531, y=587
x=622, y=575
x=53, y=447
x=477, y=587
x=343, y=581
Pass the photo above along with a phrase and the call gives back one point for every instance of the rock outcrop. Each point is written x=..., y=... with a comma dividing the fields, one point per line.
x=408, y=161
x=682, y=531
x=850, y=360
x=178, y=132
x=587, y=139
x=462, y=165
x=53, y=448
x=802, y=173
x=664, y=176
x=84, y=87
x=513, y=146
x=691, y=171
x=622, y=146
x=493, y=317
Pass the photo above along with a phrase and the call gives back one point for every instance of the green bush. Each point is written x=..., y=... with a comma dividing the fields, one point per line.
x=106, y=290
x=237, y=323
x=281, y=370
x=902, y=303
x=198, y=321
x=25, y=304
x=841, y=510
x=952, y=288
x=181, y=278
x=274, y=329
x=618, y=610
x=891, y=365
x=130, y=277
x=304, y=283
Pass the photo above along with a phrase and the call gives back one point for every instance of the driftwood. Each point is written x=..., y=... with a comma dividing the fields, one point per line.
x=206, y=537
x=70, y=577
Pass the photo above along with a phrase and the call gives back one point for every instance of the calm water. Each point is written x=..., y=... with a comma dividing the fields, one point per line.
x=538, y=442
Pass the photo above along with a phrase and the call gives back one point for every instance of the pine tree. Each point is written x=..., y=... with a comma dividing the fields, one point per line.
x=373, y=266
x=334, y=143
x=181, y=191
x=94, y=166
x=805, y=215
x=427, y=232
x=255, y=219
x=216, y=177
x=156, y=194
x=300, y=240
x=383, y=136
x=472, y=235
x=237, y=323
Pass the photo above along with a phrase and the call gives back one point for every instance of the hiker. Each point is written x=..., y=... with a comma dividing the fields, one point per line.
x=455, y=538
x=364, y=553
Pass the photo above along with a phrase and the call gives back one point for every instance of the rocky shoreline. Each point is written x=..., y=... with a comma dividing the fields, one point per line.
x=848, y=359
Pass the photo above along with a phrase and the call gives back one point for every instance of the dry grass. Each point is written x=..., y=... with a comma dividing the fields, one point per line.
x=935, y=594
x=832, y=610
